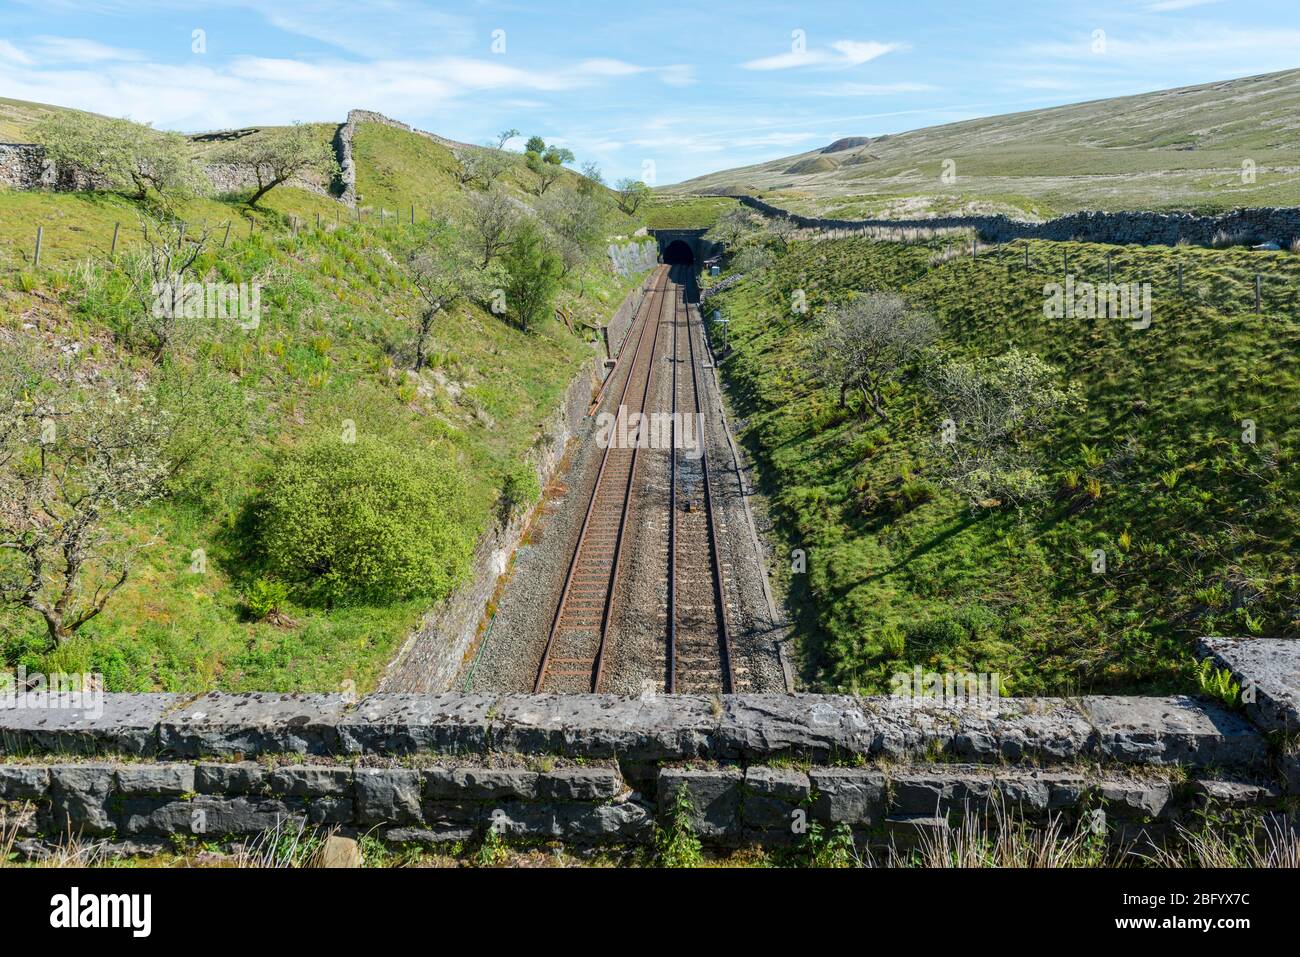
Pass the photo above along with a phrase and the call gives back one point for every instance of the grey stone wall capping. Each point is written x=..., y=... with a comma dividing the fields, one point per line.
x=1269, y=672
x=824, y=729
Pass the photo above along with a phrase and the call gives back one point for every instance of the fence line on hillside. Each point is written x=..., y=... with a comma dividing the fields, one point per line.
x=44, y=239
x=1258, y=284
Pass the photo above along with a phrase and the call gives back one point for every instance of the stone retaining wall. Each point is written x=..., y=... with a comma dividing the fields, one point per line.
x=435, y=652
x=618, y=326
x=433, y=655
x=1280, y=224
x=600, y=768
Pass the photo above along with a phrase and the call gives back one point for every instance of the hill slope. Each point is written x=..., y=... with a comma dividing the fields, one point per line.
x=1197, y=523
x=333, y=346
x=1175, y=148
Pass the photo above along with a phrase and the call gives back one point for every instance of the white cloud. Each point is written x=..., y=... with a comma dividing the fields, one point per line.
x=202, y=95
x=1203, y=42
x=49, y=49
x=10, y=52
x=841, y=53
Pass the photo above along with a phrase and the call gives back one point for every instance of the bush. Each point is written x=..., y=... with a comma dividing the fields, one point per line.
x=369, y=523
x=534, y=270
x=264, y=597
x=519, y=490
x=119, y=154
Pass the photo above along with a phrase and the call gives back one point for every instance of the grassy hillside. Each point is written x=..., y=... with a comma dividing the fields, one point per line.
x=333, y=346
x=1198, y=527
x=693, y=212
x=1181, y=148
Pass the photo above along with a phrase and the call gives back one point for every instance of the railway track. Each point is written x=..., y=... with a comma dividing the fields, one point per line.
x=574, y=658
x=699, y=642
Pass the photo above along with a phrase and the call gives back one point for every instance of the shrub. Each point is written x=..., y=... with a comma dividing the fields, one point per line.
x=676, y=844
x=995, y=408
x=535, y=270
x=519, y=490
x=264, y=597
x=367, y=523
x=119, y=154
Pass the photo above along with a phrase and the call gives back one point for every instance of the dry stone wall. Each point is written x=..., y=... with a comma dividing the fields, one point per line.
x=140, y=770
x=1279, y=224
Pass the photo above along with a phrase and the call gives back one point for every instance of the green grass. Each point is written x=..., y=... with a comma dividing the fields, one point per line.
x=696, y=212
x=1199, y=528
x=397, y=169
x=334, y=302
x=79, y=226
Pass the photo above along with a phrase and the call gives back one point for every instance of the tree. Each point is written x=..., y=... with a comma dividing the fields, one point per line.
x=118, y=154
x=534, y=271
x=592, y=178
x=753, y=258
x=546, y=165
x=575, y=219
x=482, y=165
x=865, y=344
x=631, y=194
x=536, y=145
x=994, y=407
x=735, y=226
x=276, y=156
x=505, y=136
x=492, y=217
x=442, y=273
x=160, y=275
x=72, y=458
x=781, y=230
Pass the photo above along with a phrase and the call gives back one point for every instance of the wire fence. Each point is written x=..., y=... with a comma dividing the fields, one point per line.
x=1199, y=276
x=48, y=244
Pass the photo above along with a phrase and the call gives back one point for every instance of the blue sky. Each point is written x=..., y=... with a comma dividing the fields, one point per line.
x=669, y=90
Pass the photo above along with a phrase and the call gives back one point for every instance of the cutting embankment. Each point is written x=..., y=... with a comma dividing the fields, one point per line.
x=1063, y=499
x=326, y=469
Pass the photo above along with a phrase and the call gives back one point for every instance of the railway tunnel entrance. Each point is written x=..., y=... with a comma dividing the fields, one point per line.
x=679, y=253
x=684, y=246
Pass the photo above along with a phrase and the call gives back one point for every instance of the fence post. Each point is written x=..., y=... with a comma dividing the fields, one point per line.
x=318, y=220
x=1109, y=265
x=112, y=250
x=1180, y=279
x=1026, y=256
x=1065, y=262
x=226, y=238
x=1259, y=298
x=40, y=234
x=412, y=214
